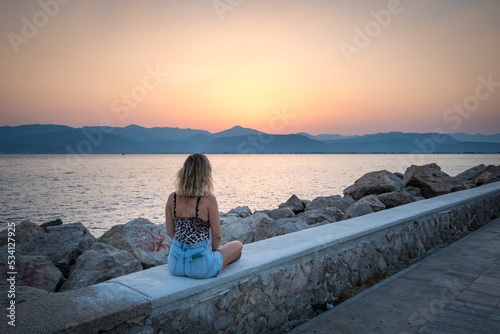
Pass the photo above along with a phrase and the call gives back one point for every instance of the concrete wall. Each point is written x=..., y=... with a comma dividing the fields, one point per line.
x=276, y=282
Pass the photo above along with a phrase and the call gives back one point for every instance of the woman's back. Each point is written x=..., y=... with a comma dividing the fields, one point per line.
x=186, y=207
x=189, y=228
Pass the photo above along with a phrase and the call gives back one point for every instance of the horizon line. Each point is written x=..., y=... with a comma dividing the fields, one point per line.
x=243, y=127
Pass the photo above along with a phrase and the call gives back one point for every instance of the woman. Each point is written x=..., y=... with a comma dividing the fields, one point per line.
x=192, y=215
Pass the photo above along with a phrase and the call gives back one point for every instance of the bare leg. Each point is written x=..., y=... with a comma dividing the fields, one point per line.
x=230, y=251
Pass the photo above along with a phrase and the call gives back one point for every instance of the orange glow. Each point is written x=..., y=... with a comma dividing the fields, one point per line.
x=93, y=60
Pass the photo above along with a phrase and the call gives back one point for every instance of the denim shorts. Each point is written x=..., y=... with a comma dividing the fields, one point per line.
x=194, y=260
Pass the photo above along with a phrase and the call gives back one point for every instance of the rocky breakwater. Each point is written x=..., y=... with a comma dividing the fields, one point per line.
x=55, y=257
x=372, y=192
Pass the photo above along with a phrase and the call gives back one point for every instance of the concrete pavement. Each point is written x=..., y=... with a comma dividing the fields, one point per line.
x=455, y=290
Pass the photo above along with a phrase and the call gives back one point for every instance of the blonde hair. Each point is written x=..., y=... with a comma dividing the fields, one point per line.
x=195, y=177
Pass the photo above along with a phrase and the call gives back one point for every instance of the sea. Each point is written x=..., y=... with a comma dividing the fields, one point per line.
x=101, y=191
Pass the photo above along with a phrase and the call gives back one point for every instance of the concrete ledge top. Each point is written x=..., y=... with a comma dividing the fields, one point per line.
x=103, y=305
x=160, y=287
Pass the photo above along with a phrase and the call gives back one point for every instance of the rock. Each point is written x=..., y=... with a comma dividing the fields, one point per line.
x=145, y=240
x=462, y=185
x=400, y=175
x=375, y=183
x=279, y=227
x=24, y=232
x=257, y=227
x=336, y=201
x=67, y=227
x=312, y=217
x=374, y=203
x=34, y=271
x=491, y=174
x=470, y=174
x=56, y=222
x=414, y=191
x=476, y=176
x=357, y=209
x=397, y=198
x=26, y=293
x=295, y=204
x=244, y=229
x=280, y=213
x=241, y=211
x=348, y=200
x=100, y=263
x=62, y=244
x=483, y=178
x=430, y=179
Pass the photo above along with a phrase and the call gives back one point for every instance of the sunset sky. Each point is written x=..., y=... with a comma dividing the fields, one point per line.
x=346, y=67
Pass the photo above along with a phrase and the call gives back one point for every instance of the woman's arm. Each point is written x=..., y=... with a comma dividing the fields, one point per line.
x=169, y=217
x=213, y=217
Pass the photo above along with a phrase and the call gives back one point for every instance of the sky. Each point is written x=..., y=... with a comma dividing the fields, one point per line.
x=284, y=66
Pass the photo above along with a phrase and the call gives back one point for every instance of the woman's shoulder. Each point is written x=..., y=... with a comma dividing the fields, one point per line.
x=171, y=197
x=209, y=198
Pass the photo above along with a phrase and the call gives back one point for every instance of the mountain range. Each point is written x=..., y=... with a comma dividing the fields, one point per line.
x=60, y=139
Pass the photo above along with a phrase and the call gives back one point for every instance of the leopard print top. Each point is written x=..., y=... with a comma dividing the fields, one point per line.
x=190, y=230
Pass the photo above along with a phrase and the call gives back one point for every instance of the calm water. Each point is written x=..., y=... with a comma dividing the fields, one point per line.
x=104, y=190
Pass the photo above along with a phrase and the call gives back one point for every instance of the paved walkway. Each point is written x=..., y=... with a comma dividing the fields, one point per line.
x=456, y=290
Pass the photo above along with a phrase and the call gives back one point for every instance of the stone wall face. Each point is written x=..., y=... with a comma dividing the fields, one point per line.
x=283, y=296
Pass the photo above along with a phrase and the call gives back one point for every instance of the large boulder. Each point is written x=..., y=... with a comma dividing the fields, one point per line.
x=470, y=173
x=294, y=203
x=257, y=227
x=335, y=201
x=374, y=203
x=240, y=211
x=100, y=263
x=146, y=241
x=414, y=191
x=244, y=229
x=316, y=216
x=26, y=293
x=34, y=271
x=491, y=174
x=23, y=294
x=430, y=179
x=374, y=183
x=396, y=198
x=462, y=185
x=357, y=209
x=24, y=231
x=466, y=179
x=280, y=213
x=62, y=244
x=56, y=222
x=279, y=227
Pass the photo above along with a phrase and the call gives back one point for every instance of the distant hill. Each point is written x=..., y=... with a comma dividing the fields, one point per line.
x=61, y=139
x=144, y=134
x=477, y=137
x=325, y=137
x=10, y=132
x=237, y=131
